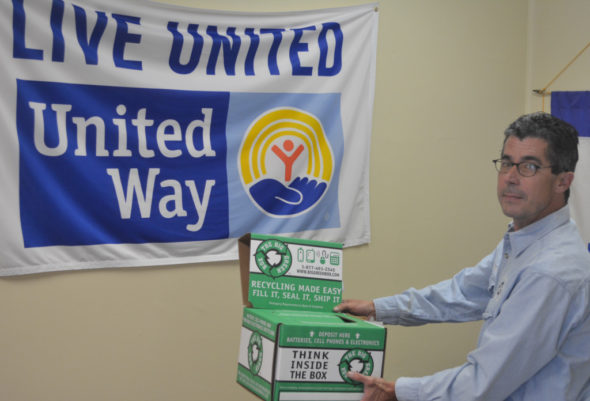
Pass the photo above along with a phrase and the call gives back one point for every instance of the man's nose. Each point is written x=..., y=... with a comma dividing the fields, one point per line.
x=513, y=175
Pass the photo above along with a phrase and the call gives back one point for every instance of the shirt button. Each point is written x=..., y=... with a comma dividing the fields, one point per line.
x=500, y=288
x=506, y=255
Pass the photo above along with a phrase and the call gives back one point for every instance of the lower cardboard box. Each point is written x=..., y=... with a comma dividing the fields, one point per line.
x=290, y=355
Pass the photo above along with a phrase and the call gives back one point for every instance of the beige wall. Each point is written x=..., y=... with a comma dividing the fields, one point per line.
x=558, y=32
x=451, y=75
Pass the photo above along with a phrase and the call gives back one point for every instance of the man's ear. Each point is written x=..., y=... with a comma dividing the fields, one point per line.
x=564, y=181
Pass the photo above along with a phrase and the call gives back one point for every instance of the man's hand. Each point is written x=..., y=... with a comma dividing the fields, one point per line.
x=357, y=307
x=376, y=389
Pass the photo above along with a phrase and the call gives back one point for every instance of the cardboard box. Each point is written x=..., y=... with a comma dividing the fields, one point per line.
x=292, y=346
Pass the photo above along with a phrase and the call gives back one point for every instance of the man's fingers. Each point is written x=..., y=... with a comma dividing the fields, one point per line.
x=358, y=377
x=342, y=307
x=339, y=308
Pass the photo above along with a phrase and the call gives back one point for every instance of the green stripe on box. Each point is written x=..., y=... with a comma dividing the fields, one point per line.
x=253, y=383
x=324, y=244
x=292, y=292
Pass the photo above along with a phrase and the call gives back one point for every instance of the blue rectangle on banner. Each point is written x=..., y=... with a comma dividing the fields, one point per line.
x=108, y=165
x=574, y=108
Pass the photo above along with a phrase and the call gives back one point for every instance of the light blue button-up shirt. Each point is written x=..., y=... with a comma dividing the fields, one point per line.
x=533, y=293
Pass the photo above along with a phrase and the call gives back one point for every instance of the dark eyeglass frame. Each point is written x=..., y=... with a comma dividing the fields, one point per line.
x=503, y=166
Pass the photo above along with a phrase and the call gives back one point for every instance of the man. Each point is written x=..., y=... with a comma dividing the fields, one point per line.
x=533, y=291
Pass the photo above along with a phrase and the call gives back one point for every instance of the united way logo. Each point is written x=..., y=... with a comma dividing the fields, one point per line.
x=286, y=162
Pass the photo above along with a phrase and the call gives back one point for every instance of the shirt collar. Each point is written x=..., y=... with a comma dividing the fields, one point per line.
x=521, y=239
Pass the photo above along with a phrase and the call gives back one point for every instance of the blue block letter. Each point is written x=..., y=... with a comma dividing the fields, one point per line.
x=19, y=49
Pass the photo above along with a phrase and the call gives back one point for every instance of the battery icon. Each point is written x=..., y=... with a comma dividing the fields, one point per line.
x=310, y=256
x=334, y=258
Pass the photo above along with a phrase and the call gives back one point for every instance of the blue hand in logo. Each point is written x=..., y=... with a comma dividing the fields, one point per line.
x=276, y=198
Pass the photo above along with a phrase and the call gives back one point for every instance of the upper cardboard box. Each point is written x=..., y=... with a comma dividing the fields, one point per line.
x=290, y=273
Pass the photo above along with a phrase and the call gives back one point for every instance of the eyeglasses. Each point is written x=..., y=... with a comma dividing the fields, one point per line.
x=526, y=169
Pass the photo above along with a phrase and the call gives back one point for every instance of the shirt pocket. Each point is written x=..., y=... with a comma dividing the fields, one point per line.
x=497, y=298
x=500, y=293
x=492, y=309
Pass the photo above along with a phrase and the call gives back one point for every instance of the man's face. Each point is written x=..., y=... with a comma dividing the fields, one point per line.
x=528, y=199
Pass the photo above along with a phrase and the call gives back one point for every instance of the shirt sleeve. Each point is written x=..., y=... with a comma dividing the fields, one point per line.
x=460, y=299
x=519, y=337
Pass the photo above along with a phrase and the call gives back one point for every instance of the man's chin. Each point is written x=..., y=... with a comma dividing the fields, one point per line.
x=509, y=210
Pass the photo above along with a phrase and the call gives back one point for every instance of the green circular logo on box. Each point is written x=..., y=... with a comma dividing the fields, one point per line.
x=356, y=360
x=255, y=353
x=273, y=258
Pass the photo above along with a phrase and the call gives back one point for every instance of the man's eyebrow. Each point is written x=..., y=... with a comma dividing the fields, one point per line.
x=524, y=159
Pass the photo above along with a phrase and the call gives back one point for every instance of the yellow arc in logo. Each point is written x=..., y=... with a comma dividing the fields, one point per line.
x=278, y=123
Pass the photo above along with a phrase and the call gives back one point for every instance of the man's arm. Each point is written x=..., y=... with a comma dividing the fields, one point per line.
x=462, y=298
x=520, y=337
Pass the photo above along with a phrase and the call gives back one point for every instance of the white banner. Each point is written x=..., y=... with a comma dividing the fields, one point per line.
x=580, y=193
x=574, y=108
x=136, y=133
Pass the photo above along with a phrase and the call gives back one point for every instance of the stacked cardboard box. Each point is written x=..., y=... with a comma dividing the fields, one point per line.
x=292, y=346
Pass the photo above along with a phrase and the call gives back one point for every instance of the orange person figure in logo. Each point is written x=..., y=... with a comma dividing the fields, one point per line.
x=288, y=160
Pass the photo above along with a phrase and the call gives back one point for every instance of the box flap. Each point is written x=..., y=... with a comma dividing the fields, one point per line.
x=244, y=257
x=290, y=273
x=319, y=329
